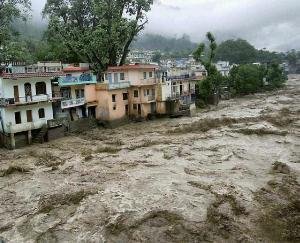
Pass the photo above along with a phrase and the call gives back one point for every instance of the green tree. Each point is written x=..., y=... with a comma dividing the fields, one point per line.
x=292, y=57
x=275, y=76
x=236, y=52
x=10, y=10
x=247, y=78
x=211, y=84
x=98, y=31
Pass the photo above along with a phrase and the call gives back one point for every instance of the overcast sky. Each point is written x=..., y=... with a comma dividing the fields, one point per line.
x=273, y=24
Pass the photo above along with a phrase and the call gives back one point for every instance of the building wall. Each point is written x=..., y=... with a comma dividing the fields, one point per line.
x=90, y=93
x=135, y=77
x=10, y=125
x=142, y=98
x=105, y=109
x=7, y=86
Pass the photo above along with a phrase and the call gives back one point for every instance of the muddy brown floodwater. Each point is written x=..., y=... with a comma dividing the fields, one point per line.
x=229, y=174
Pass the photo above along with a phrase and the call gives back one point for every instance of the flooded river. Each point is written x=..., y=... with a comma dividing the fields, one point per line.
x=227, y=174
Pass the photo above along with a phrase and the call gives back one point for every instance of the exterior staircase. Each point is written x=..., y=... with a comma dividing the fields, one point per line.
x=40, y=137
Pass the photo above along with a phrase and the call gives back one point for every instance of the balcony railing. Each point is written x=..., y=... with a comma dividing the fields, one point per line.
x=84, y=78
x=151, y=98
x=120, y=85
x=27, y=100
x=151, y=81
x=65, y=104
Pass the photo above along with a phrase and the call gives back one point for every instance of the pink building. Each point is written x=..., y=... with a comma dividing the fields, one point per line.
x=128, y=91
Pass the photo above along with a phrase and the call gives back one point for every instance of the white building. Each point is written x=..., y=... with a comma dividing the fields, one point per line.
x=138, y=56
x=25, y=104
x=223, y=67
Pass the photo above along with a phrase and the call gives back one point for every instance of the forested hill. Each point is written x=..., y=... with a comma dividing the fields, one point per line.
x=164, y=44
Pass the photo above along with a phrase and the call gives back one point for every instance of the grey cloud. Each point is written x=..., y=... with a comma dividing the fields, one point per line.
x=274, y=24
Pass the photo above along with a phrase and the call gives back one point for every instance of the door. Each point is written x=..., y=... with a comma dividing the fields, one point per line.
x=126, y=110
x=29, y=115
x=16, y=93
x=139, y=110
x=153, y=108
x=181, y=89
x=92, y=111
x=28, y=94
x=116, y=77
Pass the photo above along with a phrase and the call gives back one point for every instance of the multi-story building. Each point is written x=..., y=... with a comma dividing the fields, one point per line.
x=128, y=91
x=139, y=56
x=73, y=86
x=26, y=99
x=181, y=84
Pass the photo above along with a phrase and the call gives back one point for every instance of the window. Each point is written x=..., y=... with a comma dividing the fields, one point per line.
x=79, y=93
x=122, y=76
x=18, y=117
x=126, y=109
x=40, y=88
x=114, y=107
x=125, y=96
x=109, y=77
x=65, y=92
x=42, y=113
x=134, y=106
x=105, y=76
x=136, y=93
x=29, y=115
x=113, y=98
x=150, y=74
x=153, y=92
x=145, y=75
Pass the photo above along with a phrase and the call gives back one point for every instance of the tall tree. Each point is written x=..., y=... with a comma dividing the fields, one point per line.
x=98, y=31
x=10, y=10
x=211, y=84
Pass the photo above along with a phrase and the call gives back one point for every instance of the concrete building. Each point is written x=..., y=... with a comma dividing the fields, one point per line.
x=223, y=67
x=128, y=91
x=140, y=56
x=26, y=99
x=73, y=87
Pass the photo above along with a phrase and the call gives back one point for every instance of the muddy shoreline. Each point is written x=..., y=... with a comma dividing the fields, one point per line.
x=228, y=174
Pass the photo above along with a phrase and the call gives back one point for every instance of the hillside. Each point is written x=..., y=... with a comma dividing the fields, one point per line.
x=165, y=44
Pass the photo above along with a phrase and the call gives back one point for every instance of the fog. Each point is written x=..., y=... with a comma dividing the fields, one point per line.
x=271, y=24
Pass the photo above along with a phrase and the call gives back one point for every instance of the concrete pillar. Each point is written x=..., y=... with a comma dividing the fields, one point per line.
x=29, y=137
x=12, y=141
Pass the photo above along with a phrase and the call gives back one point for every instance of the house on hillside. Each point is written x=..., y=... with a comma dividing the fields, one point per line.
x=26, y=99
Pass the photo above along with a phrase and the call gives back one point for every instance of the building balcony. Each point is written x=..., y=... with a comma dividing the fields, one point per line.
x=145, y=82
x=65, y=104
x=84, y=78
x=27, y=126
x=29, y=100
x=113, y=86
x=151, y=98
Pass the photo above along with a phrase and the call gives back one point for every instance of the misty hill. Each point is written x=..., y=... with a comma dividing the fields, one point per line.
x=165, y=44
x=30, y=30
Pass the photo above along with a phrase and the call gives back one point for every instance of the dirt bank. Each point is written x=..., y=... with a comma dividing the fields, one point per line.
x=228, y=174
